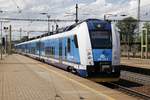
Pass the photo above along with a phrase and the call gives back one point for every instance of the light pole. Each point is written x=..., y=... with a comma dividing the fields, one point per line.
x=138, y=16
x=20, y=34
x=48, y=20
x=48, y=16
x=139, y=9
x=1, y=35
x=76, y=14
x=1, y=38
x=138, y=29
x=1, y=41
x=6, y=44
x=28, y=33
x=10, y=39
x=76, y=20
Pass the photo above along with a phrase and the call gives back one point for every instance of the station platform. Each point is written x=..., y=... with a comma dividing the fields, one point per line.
x=136, y=62
x=22, y=78
x=137, y=65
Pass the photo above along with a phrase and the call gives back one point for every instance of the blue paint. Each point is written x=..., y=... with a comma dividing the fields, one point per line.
x=73, y=55
x=102, y=54
x=56, y=46
x=93, y=23
x=82, y=73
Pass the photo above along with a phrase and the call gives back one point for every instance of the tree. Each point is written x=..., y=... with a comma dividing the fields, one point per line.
x=147, y=26
x=127, y=29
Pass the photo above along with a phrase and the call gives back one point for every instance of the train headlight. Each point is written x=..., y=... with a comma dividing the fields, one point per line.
x=91, y=63
x=89, y=54
x=89, y=57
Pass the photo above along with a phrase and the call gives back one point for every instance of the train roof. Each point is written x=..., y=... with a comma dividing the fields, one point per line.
x=68, y=28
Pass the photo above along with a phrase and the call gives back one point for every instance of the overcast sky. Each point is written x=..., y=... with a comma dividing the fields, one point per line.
x=64, y=9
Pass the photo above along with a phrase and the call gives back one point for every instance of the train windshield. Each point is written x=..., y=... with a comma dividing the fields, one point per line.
x=100, y=33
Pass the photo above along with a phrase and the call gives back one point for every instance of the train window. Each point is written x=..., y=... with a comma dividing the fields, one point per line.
x=60, y=47
x=50, y=51
x=68, y=45
x=38, y=44
x=65, y=51
x=53, y=51
x=76, y=41
x=101, y=39
x=33, y=50
x=97, y=25
x=47, y=51
x=42, y=45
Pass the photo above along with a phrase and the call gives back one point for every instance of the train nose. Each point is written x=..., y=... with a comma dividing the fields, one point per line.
x=102, y=55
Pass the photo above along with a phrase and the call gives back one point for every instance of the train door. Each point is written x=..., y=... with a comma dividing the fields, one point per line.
x=39, y=48
x=60, y=50
x=64, y=48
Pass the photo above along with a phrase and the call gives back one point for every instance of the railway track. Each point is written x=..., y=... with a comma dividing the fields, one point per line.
x=135, y=77
x=130, y=91
x=128, y=87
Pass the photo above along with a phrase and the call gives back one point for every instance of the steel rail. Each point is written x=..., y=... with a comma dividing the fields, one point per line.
x=132, y=92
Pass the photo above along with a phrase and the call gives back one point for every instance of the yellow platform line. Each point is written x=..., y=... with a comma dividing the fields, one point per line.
x=74, y=81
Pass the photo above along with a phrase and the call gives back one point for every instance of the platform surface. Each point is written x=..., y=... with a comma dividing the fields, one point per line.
x=136, y=62
x=22, y=78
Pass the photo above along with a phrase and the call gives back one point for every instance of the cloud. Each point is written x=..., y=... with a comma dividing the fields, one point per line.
x=59, y=8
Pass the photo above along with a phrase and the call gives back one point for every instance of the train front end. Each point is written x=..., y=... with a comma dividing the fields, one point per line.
x=103, y=38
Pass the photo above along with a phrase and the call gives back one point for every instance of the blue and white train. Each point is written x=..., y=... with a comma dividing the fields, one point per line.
x=90, y=48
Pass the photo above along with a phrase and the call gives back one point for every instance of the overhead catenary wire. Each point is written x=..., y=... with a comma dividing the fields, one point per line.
x=93, y=10
x=133, y=9
x=36, y=19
